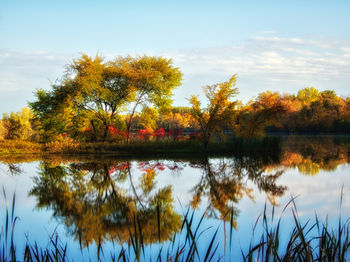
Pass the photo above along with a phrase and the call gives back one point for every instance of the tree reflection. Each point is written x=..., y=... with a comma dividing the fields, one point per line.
x=100, y=201
x=310, y=155
x=12, y=169
x=224, y=182
x=95, y=204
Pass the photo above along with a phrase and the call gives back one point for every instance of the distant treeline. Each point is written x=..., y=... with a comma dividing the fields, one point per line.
x=129, y=99
x=309, y=111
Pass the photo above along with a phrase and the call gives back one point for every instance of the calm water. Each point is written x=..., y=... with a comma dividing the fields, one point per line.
x=87, y=201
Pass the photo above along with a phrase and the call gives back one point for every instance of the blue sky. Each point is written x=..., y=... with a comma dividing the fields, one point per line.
x=276, y=45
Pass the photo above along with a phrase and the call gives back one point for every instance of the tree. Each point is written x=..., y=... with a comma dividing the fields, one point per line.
x=90, y=95
x=257, y=115
x=103, y=88
x=18, y=125
x=148, y=118
x=93, y=93
x=322, y=114
x=219, y=111
x=154, y=79
x=51, y=113
x=308, y=95
x=176, y=121
x=2, y=130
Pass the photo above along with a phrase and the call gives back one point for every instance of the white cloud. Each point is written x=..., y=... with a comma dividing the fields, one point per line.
x=261, y=63
x=289, y=58
x=21, y=73
x=281, y=64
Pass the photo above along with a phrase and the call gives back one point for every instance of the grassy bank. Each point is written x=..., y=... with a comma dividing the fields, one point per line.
x=236, y=146
x=19, y=147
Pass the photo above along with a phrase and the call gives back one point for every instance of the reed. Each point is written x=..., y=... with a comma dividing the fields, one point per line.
x=313, y=240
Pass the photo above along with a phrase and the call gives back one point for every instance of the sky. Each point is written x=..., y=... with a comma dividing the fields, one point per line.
x=270, y=44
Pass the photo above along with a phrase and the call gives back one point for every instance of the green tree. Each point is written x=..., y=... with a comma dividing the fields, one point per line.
x=220, y=110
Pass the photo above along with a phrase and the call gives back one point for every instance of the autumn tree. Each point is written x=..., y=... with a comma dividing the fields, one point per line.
x=18, y=125
x=343, y=123
x=181, y=110
x=176, y=121
x=323, y=113
x=2, y=130
x=308, y=95
x=148, y=118
x=260, y=113
x=154, y=79
x=89, y=95
x=220, y=109
x=93, y=94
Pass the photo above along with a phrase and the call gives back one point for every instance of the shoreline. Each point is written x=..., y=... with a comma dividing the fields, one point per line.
x=151, y=148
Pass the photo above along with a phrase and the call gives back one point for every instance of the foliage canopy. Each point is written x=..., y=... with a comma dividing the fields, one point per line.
x=219, y=111
x=93, y=93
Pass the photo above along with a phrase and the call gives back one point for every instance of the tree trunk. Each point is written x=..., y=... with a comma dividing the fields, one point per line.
x=105, y=133
x=94, y=130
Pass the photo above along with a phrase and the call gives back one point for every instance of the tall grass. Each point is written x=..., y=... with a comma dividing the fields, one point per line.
x=312, y=240
x=19, y=147
x=55, y=251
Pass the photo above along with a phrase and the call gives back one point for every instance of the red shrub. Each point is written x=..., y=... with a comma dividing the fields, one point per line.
x=175, y=134
x=143, y=134
x=119, y=167
x=113, y=131
x=195, y=135
x=159, y=133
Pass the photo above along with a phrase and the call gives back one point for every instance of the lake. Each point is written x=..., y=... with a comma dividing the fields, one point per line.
x=95, y=204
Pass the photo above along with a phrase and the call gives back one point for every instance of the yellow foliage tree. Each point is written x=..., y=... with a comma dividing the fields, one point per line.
x=220, y=110
x=148, y=118
x=18, y=125
x=258, y=114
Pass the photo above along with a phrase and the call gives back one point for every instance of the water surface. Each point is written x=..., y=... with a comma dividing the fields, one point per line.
x=92, y=201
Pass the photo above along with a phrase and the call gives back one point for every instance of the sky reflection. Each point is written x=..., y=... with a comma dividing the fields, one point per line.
x=49, y=194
